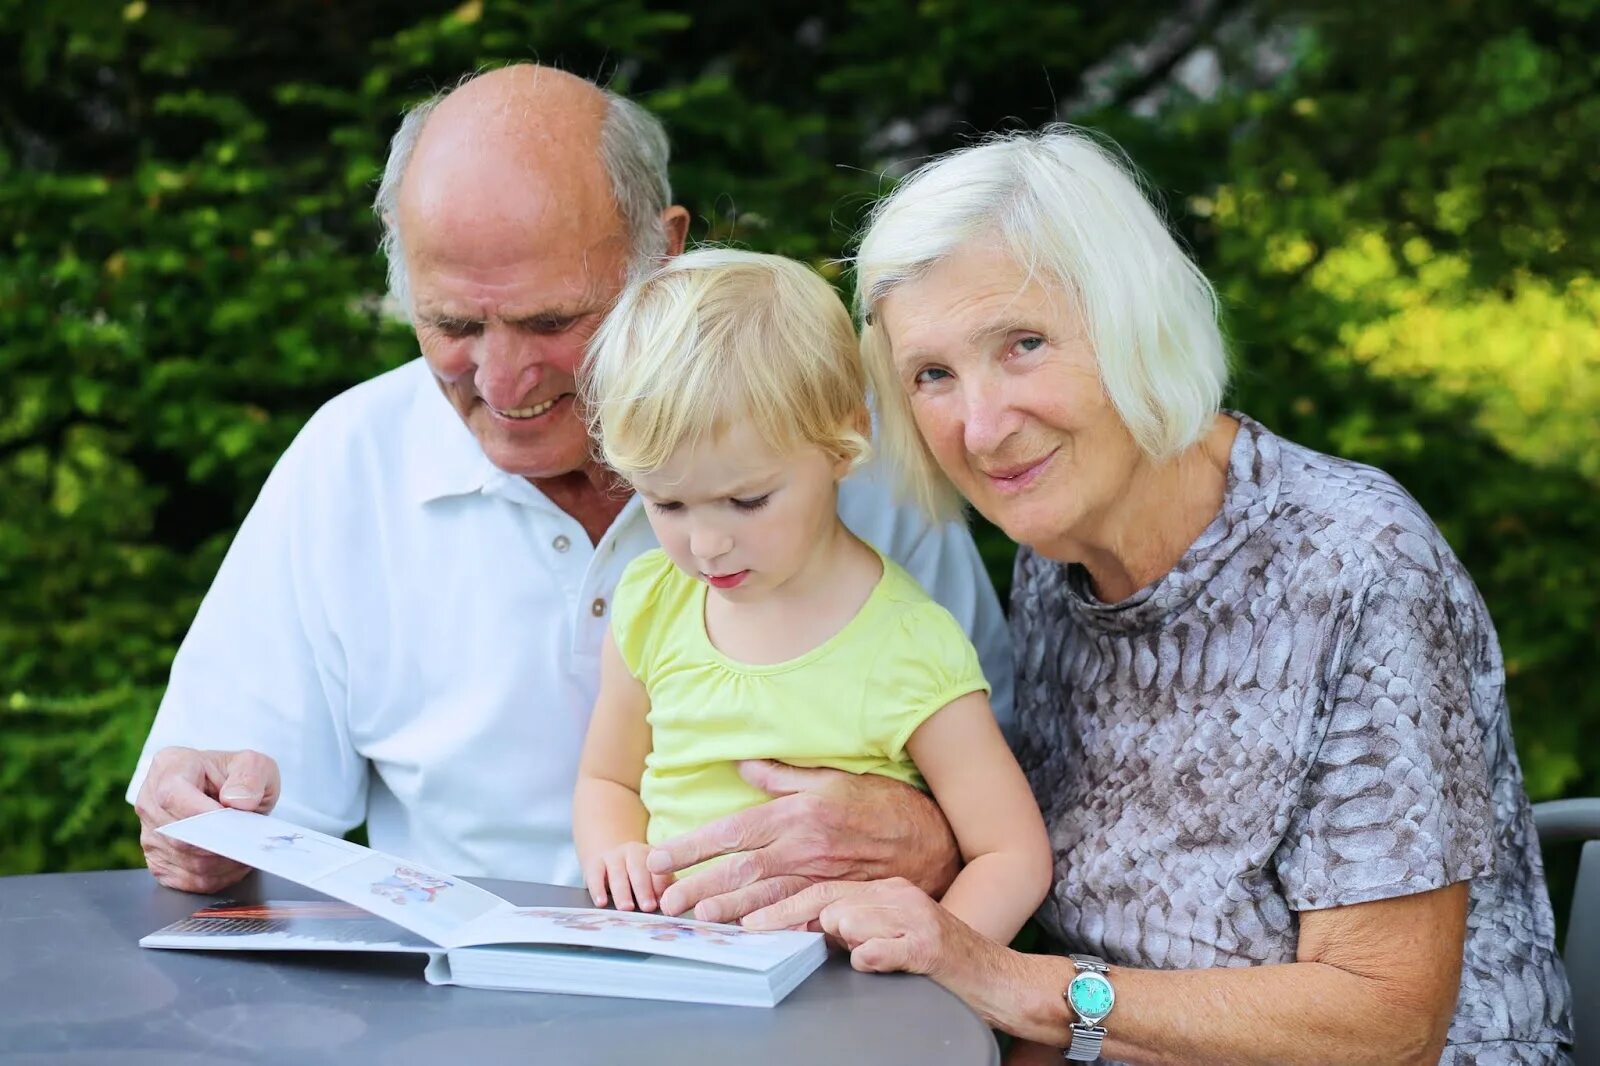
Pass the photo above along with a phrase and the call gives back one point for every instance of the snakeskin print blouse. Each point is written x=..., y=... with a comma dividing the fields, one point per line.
x=1308, y=711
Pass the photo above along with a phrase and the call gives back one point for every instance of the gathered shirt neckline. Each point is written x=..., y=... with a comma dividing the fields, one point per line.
x=1249, y=496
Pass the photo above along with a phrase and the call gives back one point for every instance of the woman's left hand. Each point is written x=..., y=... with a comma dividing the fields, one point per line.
x=887, y=925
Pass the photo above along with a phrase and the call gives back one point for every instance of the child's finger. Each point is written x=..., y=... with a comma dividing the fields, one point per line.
x=659, y=883
x=617, y=873
x=594, y=879
x=641, y=878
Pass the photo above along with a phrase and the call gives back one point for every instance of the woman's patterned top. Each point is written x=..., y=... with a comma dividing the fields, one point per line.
x=1308, y=711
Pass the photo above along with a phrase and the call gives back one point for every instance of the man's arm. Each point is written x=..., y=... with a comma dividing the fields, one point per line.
x=824, y=825
x=257, y=688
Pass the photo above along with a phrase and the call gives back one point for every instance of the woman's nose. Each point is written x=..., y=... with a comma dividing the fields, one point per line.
x=990, y=418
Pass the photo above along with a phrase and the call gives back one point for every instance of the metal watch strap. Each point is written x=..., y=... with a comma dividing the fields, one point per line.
x=1086, y=1041
x=1086, y=1038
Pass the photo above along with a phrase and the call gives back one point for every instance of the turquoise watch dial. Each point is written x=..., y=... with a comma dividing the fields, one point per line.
x=1091, y=996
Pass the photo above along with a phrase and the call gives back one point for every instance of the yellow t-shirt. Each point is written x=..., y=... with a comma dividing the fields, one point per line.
x=850, y=703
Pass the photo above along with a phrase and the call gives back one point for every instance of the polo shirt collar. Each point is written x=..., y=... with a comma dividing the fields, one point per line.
x=442, y=457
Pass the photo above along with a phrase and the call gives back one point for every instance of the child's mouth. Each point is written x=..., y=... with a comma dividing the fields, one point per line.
x=727, y=581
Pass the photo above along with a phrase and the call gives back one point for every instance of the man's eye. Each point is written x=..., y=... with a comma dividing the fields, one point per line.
x=549, y=324
x=754, y=503
x=456, y=329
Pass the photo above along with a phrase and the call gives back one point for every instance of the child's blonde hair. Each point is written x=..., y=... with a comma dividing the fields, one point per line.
x=717, y=336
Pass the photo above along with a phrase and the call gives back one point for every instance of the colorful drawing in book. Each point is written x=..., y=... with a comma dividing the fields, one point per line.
x=654, y=926
x=408, y=885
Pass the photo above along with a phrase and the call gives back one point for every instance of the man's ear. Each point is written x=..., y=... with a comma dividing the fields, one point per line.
x=675, y=223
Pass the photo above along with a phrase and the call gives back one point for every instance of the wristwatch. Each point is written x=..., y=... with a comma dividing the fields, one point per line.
x=1091, y=998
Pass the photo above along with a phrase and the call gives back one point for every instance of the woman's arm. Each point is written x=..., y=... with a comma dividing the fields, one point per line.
x=962, y=755
x=606, y=810
x=1372, y=983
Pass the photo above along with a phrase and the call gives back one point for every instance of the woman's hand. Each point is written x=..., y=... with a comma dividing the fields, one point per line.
x=887, y=925
x=894, y=925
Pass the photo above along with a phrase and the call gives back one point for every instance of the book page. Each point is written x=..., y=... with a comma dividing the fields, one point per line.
x=287, y=925
x=414, y=897
x=655, y=934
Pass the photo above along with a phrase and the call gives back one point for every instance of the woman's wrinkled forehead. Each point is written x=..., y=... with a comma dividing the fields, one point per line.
x=978, y=293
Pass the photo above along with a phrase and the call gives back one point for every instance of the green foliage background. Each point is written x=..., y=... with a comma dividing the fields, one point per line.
x=1399, y=203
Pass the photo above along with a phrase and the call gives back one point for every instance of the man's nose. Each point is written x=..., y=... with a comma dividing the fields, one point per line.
x=508, y=365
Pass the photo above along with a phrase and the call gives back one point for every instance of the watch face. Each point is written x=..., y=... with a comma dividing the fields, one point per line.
x=1091, y=996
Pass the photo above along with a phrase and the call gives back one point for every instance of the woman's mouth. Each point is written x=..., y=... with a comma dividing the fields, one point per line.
x=727, y=581
x=1010, y=480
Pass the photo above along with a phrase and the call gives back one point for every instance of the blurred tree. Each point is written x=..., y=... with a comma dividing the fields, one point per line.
x=1398, y=205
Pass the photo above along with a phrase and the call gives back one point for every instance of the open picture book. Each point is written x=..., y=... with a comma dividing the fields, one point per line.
x=471, y=936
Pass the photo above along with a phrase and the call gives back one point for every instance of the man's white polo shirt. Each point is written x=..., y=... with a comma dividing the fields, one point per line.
x=414, y=634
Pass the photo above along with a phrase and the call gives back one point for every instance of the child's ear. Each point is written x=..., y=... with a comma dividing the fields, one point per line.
x=861, y=425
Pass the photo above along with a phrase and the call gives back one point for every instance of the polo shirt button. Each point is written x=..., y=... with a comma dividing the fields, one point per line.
x=598, y=607
x=561, y=543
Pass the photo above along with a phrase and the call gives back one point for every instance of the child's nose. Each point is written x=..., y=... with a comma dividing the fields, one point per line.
x=709, y=543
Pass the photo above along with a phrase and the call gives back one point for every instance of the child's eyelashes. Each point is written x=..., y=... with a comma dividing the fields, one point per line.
x=753, y=503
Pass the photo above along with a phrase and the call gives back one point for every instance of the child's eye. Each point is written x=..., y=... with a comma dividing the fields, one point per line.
x=666, y=506
x=755, y=503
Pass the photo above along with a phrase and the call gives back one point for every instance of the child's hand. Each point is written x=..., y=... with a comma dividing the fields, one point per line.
x=620, y=875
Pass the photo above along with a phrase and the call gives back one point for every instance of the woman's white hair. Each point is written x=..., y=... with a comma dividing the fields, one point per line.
x=1070, y=209
x=634, y=152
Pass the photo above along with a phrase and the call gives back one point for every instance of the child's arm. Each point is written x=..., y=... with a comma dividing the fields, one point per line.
x=608, y=818
x=991, y=809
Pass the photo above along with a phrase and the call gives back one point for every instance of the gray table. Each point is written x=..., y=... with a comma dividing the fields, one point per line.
x=76, y=987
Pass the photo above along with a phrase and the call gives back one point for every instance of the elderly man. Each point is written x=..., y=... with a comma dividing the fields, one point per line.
x=406, y=630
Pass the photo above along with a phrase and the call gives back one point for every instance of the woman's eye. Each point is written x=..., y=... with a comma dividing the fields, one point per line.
x=1029, y=344
x=929, y=374
x=754, y=503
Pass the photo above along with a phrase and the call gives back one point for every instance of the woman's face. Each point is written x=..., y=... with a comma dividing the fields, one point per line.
x=1005, y=389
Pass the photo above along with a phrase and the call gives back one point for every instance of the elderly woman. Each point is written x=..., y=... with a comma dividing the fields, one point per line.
x=1260, y=701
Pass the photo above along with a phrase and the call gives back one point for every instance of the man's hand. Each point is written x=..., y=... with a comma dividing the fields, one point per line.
x=183, y=782
x=825, y=825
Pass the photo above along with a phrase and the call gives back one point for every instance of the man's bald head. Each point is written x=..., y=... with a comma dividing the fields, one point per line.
x=512, y=153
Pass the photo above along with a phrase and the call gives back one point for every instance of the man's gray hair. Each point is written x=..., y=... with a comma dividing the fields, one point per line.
x=634, y=153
